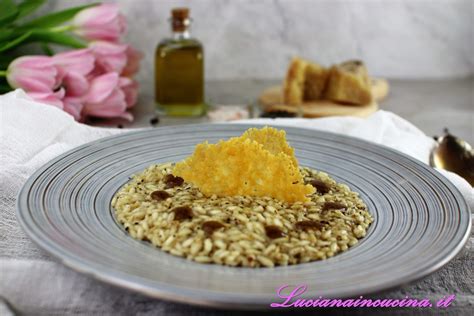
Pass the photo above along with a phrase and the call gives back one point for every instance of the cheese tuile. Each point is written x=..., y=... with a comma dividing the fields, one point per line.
x=258, y=163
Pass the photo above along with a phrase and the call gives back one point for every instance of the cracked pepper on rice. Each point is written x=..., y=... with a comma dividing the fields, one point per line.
x=242, y=202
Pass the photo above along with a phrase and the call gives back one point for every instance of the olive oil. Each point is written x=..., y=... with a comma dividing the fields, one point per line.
x=179, y=70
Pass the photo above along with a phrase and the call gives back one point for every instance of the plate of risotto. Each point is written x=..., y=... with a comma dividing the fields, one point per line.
x=227, y=215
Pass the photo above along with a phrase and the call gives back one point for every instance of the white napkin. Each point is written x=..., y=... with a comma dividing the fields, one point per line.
x=32, y=133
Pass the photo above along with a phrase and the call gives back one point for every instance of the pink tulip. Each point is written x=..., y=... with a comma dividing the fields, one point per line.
x=75, y=65
x=130, y=89
x=34, y=74
x=77, y=87
x=73, y=106
x=102, y=22
x=105, y=98
x=51, y=98
x=133, y=61
x=80, y=61
x=110, y=57
x=84, y=82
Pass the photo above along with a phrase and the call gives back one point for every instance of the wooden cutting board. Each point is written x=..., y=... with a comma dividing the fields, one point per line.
x=272, y=100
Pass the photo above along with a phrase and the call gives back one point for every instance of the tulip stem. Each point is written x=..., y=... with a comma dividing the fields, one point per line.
x=62, y=28
x=3, y=73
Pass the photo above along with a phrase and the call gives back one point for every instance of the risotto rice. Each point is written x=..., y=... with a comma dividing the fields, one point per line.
x=243, y=231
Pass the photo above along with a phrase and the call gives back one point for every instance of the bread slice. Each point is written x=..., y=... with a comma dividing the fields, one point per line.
x=349, y=83
x=315, y=82
x=293, y=87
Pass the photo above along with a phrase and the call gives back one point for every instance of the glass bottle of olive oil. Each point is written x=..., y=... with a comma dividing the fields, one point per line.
x=179, y=70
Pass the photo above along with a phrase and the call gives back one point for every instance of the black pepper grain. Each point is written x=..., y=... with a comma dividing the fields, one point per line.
x=154, y=121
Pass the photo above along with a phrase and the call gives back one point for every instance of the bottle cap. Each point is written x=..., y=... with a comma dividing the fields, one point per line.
x=180, y=13
x=180, y=19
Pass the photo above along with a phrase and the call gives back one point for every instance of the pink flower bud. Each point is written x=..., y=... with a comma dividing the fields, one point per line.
x=105, y=98
x=80, y=61
x=102, y=22
x=34, y=74
x=110, y=57
x=75, y=65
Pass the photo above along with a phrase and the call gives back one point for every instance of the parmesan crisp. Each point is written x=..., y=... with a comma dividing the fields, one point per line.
x=258, y=163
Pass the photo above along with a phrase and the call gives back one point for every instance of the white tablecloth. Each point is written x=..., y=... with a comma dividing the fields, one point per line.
x=33, y=133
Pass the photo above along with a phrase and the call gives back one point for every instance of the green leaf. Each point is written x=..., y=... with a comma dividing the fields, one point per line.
x=17, y=41
x=5, y=34
x=43, y=36
x=56, y=38
x=56, y=18
x=27, y=7
x=8, y=12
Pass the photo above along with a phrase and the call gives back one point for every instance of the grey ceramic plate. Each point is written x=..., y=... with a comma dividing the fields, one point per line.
x=421, y=220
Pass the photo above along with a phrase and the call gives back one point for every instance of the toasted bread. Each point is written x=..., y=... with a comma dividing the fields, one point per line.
x=315, y=82
x=293, y=87
x=349, y=83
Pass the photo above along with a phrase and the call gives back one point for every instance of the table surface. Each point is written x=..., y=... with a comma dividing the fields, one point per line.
x=431, y=105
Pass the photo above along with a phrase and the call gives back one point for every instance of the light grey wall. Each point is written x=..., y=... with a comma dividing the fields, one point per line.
x=256, y=38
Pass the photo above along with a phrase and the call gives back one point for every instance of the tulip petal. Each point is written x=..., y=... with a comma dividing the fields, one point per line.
x=130, y=88
x=114, y=63
x=33, y=74
x=32, y=62
x=73, y=106
x=133, y=61
x=103, y=33
x=30, y=84
x=102, y=87
x=127, y=115
x=113, y=106
x=80, y=61
x=110, y=56
x=97, y=15
x=51, y=98
x=106, y=48
x=46, y=77
x=76, y=84
x=102, y=22
x=122, y=22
